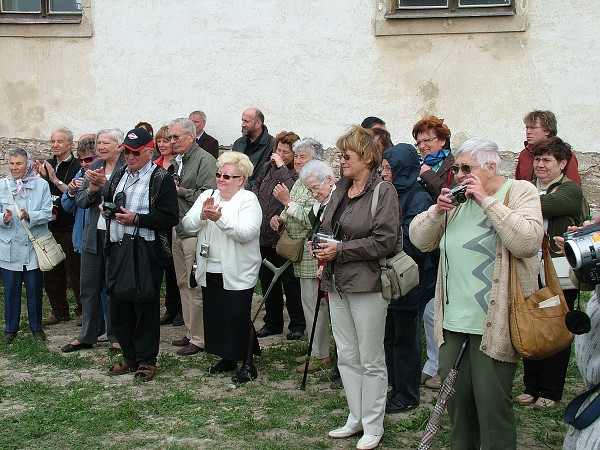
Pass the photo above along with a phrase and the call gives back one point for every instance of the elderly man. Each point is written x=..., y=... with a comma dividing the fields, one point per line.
x=149, y=208
x=196, y=169
x=540, y=126
x=203, y=139
x=256, y=141
x=58, y=171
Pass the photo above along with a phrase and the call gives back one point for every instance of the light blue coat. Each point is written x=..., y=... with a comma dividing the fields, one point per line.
x=16, y=250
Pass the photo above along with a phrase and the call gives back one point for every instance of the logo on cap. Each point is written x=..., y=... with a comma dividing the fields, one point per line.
x=132, y=136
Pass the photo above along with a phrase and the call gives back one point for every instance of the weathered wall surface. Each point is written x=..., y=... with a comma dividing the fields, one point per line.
x=313, y=67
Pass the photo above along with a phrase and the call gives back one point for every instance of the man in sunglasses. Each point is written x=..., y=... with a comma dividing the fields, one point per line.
x=149, y=207
x=539, y=127
x=196, y=170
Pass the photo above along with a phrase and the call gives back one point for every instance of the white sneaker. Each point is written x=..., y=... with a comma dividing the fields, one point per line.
x=344, y=432
x=369, y=441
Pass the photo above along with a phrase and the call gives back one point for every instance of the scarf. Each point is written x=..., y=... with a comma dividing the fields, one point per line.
x=433, y=159
x=30, y=174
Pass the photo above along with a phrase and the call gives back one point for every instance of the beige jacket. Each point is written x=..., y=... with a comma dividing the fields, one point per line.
x=520, y=231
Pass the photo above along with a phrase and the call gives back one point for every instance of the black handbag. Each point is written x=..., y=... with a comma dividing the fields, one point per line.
x=130, y=278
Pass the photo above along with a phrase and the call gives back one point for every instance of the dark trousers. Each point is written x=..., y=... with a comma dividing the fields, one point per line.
x=55, y=280
x=172, y=297
x=546, y=377
x=287, y=283
x=403, y=349
x=13, y=285
x=137, y=324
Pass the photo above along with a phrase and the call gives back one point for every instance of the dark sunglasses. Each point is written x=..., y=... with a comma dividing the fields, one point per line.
x=226, y=177
x=87, y=159
x=132, y=152
x=346, y=156
x=466, y=168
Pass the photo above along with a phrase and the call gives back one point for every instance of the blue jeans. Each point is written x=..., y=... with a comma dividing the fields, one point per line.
x=13, y=282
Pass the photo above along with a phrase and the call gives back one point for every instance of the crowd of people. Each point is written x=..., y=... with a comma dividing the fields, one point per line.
x=205, y=219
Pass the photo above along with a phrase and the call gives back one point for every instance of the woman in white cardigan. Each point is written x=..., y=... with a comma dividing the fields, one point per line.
x=227, y=222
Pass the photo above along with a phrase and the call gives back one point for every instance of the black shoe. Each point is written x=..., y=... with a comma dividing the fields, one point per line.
x=246, y=373
x=69, y=348
x=181, y=342
x=295, y=335
x=167, y=318
x=39, y=335
x=9, y=337
x=225, y=365
x=264, y=332
x=178, y=320
x=394, y=406
x=336, y=383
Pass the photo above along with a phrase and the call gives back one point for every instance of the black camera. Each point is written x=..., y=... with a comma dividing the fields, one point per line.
x=457, y=194
x=322, y=237
x=176, y=179
x=112, y=208
x=582, y=249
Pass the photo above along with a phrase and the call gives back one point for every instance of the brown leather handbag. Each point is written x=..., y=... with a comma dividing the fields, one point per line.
x=537, y=330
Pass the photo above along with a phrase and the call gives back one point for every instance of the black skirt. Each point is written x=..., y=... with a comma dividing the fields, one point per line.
x=227, y=322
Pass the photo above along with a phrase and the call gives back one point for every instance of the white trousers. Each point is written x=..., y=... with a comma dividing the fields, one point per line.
x=184, y=253
x=309, y=290
x=358, y=322
x=431, y=365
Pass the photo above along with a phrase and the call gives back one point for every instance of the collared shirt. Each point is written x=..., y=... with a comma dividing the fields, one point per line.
x=199, y=136
x=136, y=187
x=179, y=159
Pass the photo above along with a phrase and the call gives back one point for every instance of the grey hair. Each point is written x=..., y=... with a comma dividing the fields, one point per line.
x=187, y=126
x=201, y=114
x=114, y=134
x=67, y=132
x=316, y=169
x=18, y=151
x=483, y=150
x=315, y=147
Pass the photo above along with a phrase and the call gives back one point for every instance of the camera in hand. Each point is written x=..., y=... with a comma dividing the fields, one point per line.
x=318, y=238
x=457, y=194
x=112, y=208
x=582, y=249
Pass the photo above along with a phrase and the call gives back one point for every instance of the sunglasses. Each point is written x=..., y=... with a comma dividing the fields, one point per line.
x=87, y=159
x=465, y=168
x=225, y=176
x=132, y=152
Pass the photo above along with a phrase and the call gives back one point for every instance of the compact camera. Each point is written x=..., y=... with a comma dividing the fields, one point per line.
x=457, y=194
x=582, y=249
x=112, y=208
x=176, y=179
x=204, y=249
x=322, y=237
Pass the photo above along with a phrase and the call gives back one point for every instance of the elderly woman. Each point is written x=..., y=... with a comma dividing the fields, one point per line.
x=561, y=200
x=271, y=176
x=352, y=277
x=93, y=263
x=301, y=222
x=18, y=262
x=472, y=299
x=227, y=222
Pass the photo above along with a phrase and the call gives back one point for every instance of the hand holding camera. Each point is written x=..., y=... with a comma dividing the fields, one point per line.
x=324, y=246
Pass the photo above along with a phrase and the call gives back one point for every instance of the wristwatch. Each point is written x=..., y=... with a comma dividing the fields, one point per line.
x=60, y=183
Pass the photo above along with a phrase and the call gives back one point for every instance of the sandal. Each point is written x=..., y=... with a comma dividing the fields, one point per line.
x=120, y=368
x=525, y=399
x=144, y=373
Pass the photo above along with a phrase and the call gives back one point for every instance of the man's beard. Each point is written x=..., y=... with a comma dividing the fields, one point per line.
x=250, y=134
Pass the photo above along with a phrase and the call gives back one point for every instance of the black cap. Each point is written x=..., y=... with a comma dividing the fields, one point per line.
x=136, y=139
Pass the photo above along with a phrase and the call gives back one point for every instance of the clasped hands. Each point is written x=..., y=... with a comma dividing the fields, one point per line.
x=210, y=211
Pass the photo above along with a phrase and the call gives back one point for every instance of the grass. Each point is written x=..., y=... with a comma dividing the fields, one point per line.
x=50, y=400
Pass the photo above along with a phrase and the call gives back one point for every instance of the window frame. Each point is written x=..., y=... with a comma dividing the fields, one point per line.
x=453, y=10
x=44, y=16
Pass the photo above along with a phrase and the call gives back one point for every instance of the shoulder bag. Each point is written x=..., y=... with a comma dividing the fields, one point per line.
x=293, y=249
x=48, y=252
x=400, y=273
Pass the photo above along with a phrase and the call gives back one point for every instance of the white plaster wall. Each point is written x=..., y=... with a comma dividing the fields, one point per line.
x=313, y=67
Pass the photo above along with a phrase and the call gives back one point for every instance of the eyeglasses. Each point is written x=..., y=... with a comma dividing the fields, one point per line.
x=175, y=137
x=87, y=159
x=465, y=168
x=425, y=140
x=133, y=152
x=225, y=176
x=316, y=190
x=346, y=156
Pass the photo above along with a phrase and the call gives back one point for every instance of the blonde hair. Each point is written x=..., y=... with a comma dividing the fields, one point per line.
x=240, y=160
x=362, y=141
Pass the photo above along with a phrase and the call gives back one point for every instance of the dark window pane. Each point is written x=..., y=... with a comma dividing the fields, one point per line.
x=422, y=3
x=65, y=6
x=21, y=5
x=471, y=3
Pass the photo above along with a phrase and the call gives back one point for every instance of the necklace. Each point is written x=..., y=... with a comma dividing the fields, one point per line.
x=355, y=191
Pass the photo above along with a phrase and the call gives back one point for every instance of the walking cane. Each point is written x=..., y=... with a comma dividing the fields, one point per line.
x=311, y=340
x=277, y=273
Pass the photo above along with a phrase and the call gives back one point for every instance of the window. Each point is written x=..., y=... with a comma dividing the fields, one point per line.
x=405, y=17
x=41, y=11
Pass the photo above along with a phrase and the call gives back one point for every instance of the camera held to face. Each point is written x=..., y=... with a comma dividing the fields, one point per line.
x=457, y=194
x=112, y=208
x=318, y=238
x=582, y=249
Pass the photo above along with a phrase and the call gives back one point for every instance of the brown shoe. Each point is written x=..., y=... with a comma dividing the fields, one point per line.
x=39, y=335
x=53, y=320
x=544, y=403
x=145, y=372
x=315, y=365
x=181, y=342
x=121, y=369
x=189, y=349
x=300, y=359
x=435, y=382
x=524, y=399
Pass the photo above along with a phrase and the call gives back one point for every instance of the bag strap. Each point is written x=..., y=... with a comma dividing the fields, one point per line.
x=31, y=237
x=399, y=240
x=588, y=415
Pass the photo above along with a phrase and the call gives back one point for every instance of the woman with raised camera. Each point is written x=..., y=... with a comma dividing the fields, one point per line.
x=93, y=262
x=227, y=222
x=352, y=277
x=18, y=262
x=472, y=299
x=562, y=201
